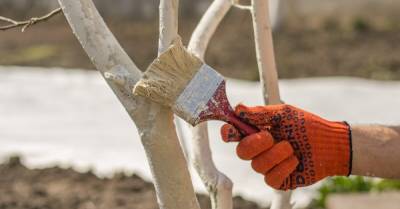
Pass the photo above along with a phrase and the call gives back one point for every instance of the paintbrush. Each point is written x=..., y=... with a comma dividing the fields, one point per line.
x=194, y=91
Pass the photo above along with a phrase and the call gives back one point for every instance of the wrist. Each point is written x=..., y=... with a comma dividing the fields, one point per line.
x=333, y=148
x=341, y=150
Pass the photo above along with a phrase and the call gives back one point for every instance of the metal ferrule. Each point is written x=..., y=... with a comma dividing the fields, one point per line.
x=193, y=100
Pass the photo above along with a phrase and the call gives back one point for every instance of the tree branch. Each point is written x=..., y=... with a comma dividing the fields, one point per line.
x=155, y=123
x=208, y=24
x=237, y=4
x=268, y=73
x=265, y=51
x=168, y=24
x=27, y=23
x=219, y=186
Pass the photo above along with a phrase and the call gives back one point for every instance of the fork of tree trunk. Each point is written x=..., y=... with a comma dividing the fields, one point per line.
x=155, y=123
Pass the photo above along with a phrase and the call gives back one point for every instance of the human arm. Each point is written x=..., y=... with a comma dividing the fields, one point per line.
x=376, y=151
x=296, y=148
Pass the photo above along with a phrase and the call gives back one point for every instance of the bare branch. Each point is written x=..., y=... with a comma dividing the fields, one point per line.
x=168, y=23
x=237, y=4
x=268, y=73
x=242, y=7
x=208, y=24
x=265, y=51
x=219, y=186
x=27, y=23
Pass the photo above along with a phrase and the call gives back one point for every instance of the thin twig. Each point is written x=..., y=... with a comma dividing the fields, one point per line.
x=27, y=23
x=237, y=4
x=243, y=7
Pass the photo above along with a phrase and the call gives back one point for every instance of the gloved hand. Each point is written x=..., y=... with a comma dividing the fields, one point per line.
x=294, y=148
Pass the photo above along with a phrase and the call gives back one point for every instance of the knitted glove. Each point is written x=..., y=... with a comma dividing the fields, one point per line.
x=294, y=148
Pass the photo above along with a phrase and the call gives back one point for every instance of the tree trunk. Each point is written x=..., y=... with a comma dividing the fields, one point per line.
x=155, y=123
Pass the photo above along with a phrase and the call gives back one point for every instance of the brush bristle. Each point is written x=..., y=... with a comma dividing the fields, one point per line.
x=168, y=75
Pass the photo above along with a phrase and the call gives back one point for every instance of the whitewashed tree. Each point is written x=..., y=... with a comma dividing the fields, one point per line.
x=155, y=123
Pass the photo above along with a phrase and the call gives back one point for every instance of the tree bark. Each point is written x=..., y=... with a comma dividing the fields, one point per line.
x=155, y=123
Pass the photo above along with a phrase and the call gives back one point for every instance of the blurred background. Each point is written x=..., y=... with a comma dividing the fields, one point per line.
x=339, y=59
x=314, y=37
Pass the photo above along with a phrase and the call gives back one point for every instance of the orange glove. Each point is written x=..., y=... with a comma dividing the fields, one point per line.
x=294, y=148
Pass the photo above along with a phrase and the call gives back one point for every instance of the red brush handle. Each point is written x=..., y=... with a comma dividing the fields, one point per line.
x=244, y=128
x=218, y=108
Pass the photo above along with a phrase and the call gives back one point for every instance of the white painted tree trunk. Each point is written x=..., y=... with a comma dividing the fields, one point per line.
x=268, y=73
x=154, y=122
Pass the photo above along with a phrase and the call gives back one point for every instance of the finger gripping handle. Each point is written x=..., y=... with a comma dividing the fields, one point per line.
x=243, y=127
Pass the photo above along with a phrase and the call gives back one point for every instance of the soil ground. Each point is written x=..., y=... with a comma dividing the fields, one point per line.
x=59, y=188
x=364, y=45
